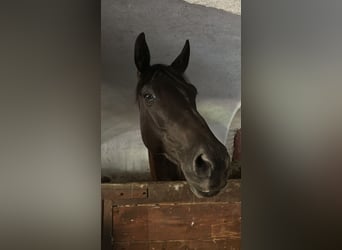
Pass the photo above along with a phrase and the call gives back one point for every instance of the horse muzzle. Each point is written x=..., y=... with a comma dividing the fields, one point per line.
x=206, y=193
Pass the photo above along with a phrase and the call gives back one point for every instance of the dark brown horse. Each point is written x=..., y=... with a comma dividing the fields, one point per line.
x=179, y=141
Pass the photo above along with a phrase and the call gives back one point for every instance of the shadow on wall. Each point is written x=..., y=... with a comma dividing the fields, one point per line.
x=214, y=69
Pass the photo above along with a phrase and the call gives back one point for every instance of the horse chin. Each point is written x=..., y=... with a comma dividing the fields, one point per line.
x=203, y=194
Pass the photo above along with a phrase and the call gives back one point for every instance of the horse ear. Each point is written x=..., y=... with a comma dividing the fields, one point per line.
x=141, y=53
x=181, y=62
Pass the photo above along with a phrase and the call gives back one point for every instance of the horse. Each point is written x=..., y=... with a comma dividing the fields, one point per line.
x=180, y=144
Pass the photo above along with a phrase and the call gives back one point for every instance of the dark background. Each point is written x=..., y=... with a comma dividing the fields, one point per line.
x=50, y=125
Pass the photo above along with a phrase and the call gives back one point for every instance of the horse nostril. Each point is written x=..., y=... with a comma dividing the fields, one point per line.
x=203, y=166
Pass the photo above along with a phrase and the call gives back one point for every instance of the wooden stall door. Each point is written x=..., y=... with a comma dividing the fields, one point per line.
x=134, y=217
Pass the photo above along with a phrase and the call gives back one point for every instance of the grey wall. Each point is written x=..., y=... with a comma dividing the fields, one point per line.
x=214, y=69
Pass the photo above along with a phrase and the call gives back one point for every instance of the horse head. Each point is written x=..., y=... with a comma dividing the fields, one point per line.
x=172, y=127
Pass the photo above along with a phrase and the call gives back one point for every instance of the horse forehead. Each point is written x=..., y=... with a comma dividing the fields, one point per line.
x=161, y=80
x=169, y=91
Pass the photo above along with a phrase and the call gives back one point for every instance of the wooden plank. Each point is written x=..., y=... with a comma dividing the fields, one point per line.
x=180, y=245
x=164, y=192
x=166, y=215
x=107, y=226
x=131, y=191
x=130, y=223
x=169, y=222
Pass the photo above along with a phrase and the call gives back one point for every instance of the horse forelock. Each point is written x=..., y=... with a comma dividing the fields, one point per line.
x=152, y=74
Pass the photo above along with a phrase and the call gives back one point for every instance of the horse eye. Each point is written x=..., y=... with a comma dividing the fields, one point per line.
x=149, y=98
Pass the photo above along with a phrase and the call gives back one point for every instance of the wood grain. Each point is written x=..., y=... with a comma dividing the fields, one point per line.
x=107, y=226
x=180, y=245
x=205, y=222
